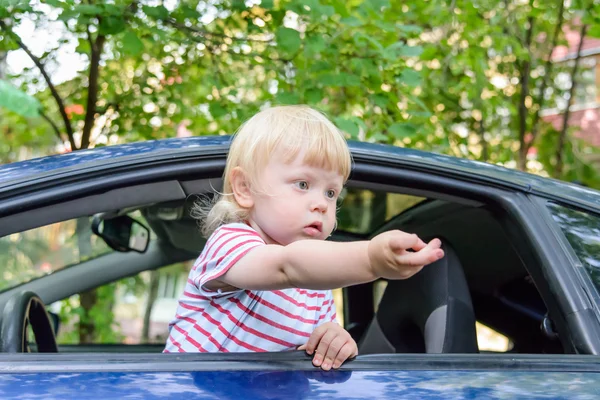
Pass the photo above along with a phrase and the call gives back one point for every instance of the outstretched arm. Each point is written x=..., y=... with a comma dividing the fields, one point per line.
x=313, y=264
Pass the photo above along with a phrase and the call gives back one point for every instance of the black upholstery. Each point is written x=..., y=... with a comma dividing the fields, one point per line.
x=430, y=312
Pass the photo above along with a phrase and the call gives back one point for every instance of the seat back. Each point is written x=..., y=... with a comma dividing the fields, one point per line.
x=430, y=312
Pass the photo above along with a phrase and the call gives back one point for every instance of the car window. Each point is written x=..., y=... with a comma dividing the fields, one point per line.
x=41, y=251
x=583, y=233
x=362, y=211
x=134, y=310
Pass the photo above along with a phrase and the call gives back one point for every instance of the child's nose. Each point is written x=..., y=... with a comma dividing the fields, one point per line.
x=319, y=204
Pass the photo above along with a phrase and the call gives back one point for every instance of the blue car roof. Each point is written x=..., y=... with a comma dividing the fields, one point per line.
x=526, y=182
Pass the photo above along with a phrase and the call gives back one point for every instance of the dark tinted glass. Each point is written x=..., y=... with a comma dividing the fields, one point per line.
x=362, y=211
x=583, y=233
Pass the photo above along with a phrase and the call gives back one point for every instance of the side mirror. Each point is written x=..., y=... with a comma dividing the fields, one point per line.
x=122, y=233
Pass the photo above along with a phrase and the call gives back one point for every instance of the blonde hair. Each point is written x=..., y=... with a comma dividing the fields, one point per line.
x=287, y=130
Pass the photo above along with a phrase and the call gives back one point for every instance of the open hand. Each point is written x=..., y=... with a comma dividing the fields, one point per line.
x=391, y=258
x=331, y=345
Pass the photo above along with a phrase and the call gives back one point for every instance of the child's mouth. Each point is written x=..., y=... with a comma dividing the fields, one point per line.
x=313, y=229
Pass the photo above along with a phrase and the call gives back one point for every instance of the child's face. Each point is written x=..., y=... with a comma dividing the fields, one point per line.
x=296, y=201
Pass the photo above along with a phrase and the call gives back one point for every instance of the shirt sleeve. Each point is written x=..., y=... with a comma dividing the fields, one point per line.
x=222, y=250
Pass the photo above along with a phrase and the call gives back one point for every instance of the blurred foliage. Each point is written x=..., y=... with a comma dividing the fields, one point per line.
x=462, y=78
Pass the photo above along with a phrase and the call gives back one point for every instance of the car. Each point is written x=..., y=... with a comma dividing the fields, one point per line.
x=512, y=310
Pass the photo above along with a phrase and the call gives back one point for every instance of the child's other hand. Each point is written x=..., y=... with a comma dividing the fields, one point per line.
x=331, y=345
x=390, y=258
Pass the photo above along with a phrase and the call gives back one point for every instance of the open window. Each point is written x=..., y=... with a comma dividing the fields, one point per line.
x=505, y=298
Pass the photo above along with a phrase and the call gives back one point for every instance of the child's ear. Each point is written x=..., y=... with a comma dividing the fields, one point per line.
x=241, y=188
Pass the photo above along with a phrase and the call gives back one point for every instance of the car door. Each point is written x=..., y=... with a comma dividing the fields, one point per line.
x=291, y=374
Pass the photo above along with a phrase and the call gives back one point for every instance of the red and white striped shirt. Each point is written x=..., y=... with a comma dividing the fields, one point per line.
x=243, y=320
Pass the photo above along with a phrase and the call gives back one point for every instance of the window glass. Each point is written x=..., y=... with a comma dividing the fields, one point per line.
x=583, y=233
x=30, y=254
x=362, y=211
x=490, y=340
x=134, y=310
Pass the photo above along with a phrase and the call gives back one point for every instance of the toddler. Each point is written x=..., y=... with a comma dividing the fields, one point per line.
x=263, y=281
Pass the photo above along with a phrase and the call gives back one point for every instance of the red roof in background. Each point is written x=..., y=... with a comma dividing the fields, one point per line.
x=572, y=36
x=587, y=120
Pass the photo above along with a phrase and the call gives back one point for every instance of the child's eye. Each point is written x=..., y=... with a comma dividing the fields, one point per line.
x=303, y=185
x=330, y=194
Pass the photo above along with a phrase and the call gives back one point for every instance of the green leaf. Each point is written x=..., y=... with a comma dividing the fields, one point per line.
x=314, y=45
x=594, y=31
x=340, y=8
x=238, y=5
x=188, y=12
x=112, y=25
x=288, y=40
x=377, y=4
x=352, y=22
x=410, y=51
x=18, y=101
x=360, y=38
x=327, y=11
x=287, y=98
x=313, y=95
x=267, y=4
x=217, y=110
x=158, y=12
x=348, y=126
x=340, y=79
x=420, y=103
x=380, y=100
x=401, y=130
x=88, y=9
x=410, y=77
x=132, y=44
x=83, y=47
x=410, y=28
x=379, y=137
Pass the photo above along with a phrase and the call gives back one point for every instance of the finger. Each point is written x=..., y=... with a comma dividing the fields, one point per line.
x=404, y=241
x=315, y=338
x=302, y=347
x=427, y=255
x=332, y=352
x=349, y=350
x=321, y=350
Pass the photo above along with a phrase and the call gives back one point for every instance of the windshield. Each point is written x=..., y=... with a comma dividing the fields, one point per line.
x=41, y=251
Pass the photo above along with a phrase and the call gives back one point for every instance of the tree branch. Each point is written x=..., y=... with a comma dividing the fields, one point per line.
x=97, y=46
x=55, y=95
x=54, y=126
x=524, y=73
x=563, y=133
x=208, y=34
x=545, y=79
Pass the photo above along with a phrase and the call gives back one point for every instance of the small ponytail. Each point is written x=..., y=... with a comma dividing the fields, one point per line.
x=212, y=213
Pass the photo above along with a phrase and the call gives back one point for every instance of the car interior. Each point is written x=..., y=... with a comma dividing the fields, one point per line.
x=484, y=278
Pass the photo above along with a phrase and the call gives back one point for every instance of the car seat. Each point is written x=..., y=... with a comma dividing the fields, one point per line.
x=431, y=312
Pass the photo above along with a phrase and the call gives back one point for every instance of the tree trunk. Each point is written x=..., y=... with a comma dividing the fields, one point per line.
x=88, y=299
x=558, y=170
x=153, y=291
x=524, y=73
x=378, y=210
